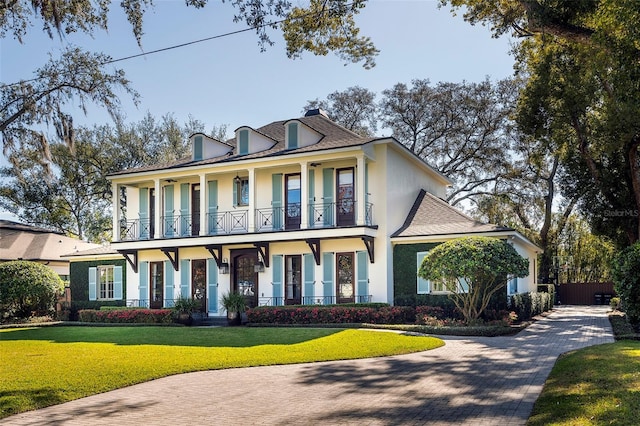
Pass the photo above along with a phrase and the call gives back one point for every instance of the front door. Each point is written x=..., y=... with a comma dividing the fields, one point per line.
x=345, y=290
x=293, y=275
x=156, y=285
x=195, y=209
x=292, y=201
x=345, y=203
x=199, y=282
x=245, y=279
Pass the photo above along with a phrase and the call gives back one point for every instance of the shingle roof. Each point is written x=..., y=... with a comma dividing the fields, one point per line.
x=98, y=251
x=19, y=241
x=432, y=216
x=333, y=136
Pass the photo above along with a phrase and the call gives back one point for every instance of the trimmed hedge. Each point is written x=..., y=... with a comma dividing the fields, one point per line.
x=79, y=305
x=139, y=316
x=528, y=305
x=331, y=315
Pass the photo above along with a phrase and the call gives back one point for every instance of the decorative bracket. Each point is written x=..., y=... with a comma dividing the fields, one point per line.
x=314, y=245
x=216, y=252
x=132, y=258
x=168, y=251
x=368, y=242
x=263, y=249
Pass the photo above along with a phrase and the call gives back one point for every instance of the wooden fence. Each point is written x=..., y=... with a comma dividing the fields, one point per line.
x=585, y=293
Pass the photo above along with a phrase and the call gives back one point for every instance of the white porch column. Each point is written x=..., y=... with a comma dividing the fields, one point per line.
x=304, y=196
x=360, y=189
x=252, y=200
x=157, y=208
x=204, y=200
x=115, y=216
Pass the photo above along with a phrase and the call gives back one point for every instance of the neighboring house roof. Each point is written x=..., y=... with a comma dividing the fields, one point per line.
x=98, y=251
x=432, y=216
x=24, y=242
x=334, y=136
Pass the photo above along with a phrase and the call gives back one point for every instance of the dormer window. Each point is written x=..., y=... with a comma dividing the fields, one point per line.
x=292, y=135
x=198, y=148
x=243, y=142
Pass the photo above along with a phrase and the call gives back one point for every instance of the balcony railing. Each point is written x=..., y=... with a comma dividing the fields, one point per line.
x=312, y=300
x=320, y=215
x=232, y=222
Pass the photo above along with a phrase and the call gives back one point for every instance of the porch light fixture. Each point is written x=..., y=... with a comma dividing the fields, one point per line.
x=237, y=179
x=224, y=266
x=258, y=267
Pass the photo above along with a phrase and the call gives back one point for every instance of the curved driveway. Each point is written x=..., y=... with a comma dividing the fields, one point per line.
x=477, y=381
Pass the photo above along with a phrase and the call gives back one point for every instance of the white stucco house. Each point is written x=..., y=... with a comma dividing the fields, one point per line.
x=300, y=211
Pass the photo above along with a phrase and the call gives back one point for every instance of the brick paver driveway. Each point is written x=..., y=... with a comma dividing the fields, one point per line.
x=476, y=381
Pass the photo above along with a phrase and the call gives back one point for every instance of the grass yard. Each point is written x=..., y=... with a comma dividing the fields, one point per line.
x=593, y=386
x=51, y=365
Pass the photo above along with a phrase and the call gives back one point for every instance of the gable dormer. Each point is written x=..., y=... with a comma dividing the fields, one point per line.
x=248, y=141
x=204, y=147
x=298, y=135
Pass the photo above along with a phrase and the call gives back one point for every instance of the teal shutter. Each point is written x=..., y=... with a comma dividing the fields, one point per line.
x=143, y=269
x=197, y=148
x=463, y=285
x=277, y=266
x=144, y=213
x=327, y=277
x=212, y=197
x=117, y=282
x=312, y=198
x=362, y=288
x=327, y=197
x=276, y=201
x=184, y=278
x=293, y=135
x=169, y=224
x=184, y=210
x=168, y=283
x=93, y=283
x=243, y=143
x=212, y=284
x=309, y=277
x=423, y=285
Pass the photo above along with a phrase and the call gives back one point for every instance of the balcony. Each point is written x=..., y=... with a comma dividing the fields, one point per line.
x=234, y=222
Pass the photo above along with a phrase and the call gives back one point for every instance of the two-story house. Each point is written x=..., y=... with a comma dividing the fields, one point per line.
x=300, y=211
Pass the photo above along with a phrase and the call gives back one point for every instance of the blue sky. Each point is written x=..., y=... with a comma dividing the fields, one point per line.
x=229, y=81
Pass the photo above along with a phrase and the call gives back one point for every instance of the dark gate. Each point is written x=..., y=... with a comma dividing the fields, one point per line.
x=585, y=293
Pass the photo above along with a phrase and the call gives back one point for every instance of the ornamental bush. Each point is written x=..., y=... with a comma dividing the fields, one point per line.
x=626, y=281
x=28, y=289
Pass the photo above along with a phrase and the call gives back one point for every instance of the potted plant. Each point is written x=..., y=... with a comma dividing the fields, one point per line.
x=183, y=309
x=234, y=303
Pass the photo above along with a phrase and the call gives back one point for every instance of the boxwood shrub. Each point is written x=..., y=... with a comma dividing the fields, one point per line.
x=528, y=305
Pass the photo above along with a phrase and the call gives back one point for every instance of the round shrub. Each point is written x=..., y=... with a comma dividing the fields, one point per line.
x=28, y=288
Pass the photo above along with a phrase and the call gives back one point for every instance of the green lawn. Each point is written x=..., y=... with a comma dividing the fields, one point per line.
x=51, y=365
x=593, y=386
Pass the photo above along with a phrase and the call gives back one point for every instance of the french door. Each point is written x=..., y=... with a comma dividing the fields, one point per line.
x=199, y=282
x=245, y=278
x=345, y=287
x=293, y=276
x=156, y=285
x=345, y=202
x=292, y=201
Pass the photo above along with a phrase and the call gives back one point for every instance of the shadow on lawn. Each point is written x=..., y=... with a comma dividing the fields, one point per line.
x=170, y=336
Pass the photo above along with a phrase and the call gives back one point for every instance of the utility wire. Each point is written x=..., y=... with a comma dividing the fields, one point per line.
x=266, y=24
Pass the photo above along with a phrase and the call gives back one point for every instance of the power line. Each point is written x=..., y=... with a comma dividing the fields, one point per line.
x=177, y=46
